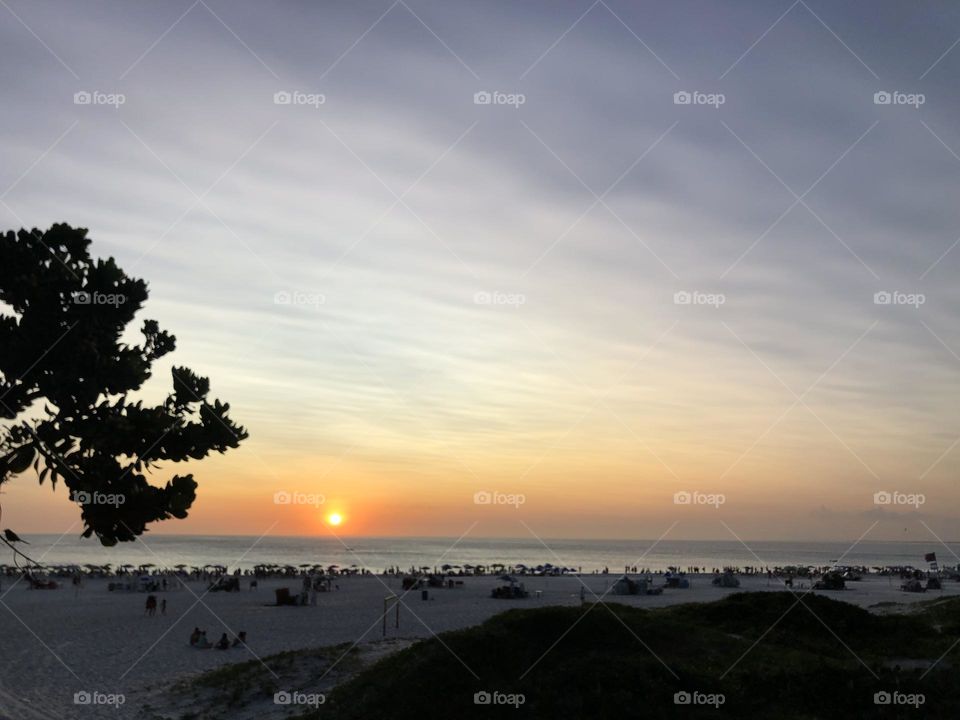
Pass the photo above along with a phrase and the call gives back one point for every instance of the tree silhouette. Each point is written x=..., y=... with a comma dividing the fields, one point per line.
x=65, y=382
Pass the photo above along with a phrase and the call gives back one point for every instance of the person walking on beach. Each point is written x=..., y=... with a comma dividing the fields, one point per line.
x=150, y=608
x=163, y=606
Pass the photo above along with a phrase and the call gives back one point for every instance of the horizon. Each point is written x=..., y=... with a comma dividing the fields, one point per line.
x=933, y=543
x=554, y=270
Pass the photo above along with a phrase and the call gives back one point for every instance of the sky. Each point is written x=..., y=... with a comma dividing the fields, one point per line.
x=654, y=267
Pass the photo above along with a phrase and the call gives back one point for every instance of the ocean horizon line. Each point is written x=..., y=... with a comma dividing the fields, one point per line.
x=512, y=538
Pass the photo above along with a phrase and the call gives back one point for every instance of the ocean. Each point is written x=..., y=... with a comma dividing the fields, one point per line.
x=376, y=554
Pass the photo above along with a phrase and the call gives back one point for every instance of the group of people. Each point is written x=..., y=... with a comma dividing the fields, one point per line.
x=150, y=608
x=198, y=639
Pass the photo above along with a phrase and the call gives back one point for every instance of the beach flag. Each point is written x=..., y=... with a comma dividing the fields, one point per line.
x=932, y=559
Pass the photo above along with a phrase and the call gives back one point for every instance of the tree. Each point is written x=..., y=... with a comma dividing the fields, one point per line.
x=65, y=384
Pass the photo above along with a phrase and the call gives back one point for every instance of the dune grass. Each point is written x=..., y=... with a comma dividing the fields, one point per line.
x=769, y=655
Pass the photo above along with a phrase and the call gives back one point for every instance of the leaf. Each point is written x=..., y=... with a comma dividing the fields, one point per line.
x=21, y=459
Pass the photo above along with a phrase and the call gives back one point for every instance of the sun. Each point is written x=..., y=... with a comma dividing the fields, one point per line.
x=334, y=518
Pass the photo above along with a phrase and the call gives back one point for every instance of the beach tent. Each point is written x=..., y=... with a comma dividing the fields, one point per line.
x=830, y=581
x=727, y=580
x=624, y=586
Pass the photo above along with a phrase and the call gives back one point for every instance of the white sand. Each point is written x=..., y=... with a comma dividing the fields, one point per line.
x=53, y=644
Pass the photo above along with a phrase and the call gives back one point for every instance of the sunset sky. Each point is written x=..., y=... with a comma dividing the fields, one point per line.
x=484, y=297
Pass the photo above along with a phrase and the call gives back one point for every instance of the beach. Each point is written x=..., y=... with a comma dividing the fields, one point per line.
x=56, y=643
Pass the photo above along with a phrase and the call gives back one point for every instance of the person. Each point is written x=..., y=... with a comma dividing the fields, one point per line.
x=223, y=643
x=151, y=606
x=195, y=636
x=240, y=639
x=163, y=606
x=202, y=642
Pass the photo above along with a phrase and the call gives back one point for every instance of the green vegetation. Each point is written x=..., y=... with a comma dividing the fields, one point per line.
x=246, y=689
x=69, y=384
x=768, y=654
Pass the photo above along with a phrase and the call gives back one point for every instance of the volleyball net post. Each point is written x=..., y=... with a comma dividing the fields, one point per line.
x=388, y=602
